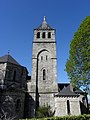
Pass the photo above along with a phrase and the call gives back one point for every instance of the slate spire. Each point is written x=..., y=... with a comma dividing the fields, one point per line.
x=44, y=25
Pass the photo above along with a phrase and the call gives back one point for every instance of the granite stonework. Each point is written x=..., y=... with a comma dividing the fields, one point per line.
x=44, y=58
x=21, y=95
x=12, y=88
x=61, y=106
x=46, y=91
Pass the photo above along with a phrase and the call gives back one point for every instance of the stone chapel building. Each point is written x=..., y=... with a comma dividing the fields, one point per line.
x=26, y=93
x=12, y=88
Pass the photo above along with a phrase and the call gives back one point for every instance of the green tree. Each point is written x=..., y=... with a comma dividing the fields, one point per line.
x=78, y=64
x=44, y=111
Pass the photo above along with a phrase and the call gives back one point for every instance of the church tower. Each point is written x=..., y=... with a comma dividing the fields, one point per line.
x=43, y=83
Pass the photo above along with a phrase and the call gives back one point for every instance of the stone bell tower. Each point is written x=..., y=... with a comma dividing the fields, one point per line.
x=43, y=83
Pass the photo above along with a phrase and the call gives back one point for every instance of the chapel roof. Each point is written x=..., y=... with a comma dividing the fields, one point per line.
x=8, y=58
x=78, y=91
x=66, y=89
x=62, y=85
x=44, y=26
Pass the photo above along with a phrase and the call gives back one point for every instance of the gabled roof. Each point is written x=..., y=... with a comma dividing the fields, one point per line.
x=62, y=85
x=78, y=91
x=8, y=58
x=67, y=92
x=65, y=89
x=44, y=26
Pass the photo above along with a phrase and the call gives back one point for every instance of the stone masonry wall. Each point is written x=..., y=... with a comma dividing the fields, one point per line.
x=12, y=103
x=43, y=58
x=61, y=106
x=2, y=71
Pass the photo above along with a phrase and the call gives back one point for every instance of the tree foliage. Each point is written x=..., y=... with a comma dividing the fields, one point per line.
x=44, y=111
x=78, y=64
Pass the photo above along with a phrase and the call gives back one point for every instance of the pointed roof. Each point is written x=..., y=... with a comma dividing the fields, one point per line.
x=79, y=91
x=66, y=91
x=44, y=26
x=8, y=58
x=62, y=85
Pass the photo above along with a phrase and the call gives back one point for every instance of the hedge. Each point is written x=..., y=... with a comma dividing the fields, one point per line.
x=80, y=117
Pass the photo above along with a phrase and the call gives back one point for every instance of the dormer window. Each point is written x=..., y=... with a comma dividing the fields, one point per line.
x=43, y=35
x=38, y=35
x=49, y=34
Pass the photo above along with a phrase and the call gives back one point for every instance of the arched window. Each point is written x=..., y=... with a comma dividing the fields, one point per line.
x=83, y=100
x=14, y=75
x=68, y=107
x=38, y=35
x=43, y=35
x=49, y=34
x=46, y=57
x=18, y=104
x=44, y=74
x=41, y=57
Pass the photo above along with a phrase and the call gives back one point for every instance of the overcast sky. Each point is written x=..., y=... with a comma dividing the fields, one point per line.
x=18, y=18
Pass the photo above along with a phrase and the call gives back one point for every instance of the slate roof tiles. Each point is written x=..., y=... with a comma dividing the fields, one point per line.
x=9, y=59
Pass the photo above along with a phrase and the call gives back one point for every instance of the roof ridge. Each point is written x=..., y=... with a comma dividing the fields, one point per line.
x=67, y=91
x=8, y=58
x=44, y=25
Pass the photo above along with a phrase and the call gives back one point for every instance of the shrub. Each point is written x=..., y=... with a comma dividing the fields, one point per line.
x=80, y=117
x=44, y=111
